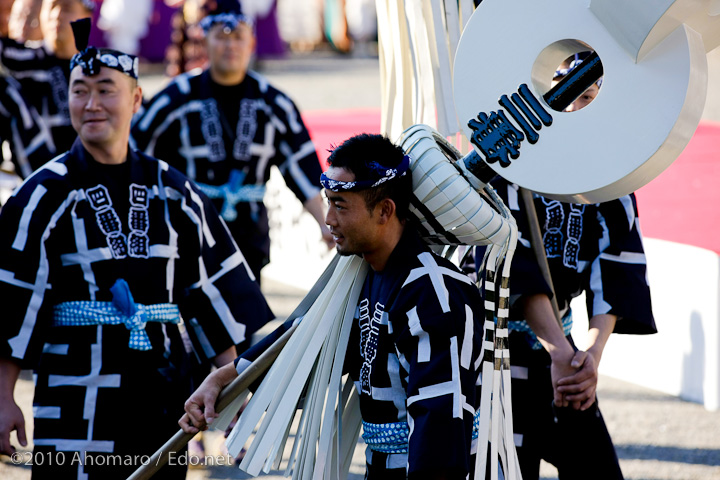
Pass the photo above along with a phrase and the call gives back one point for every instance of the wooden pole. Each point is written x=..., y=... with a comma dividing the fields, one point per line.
x=539, y=247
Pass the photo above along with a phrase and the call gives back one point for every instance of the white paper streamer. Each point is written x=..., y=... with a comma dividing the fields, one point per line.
x=315, y=352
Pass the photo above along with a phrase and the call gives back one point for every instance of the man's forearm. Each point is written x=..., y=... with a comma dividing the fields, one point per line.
x=9, y=373
x=538, y=313
x=600, y=329
x=223, y=358
x=314, y=205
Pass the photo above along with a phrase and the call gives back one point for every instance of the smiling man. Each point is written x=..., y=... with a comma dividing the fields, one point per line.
x=106, y=252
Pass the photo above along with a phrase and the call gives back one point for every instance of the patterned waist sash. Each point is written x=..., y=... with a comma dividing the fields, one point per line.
x=394, y=437
x=233, y=193
x=122, y=310
x=522, y=326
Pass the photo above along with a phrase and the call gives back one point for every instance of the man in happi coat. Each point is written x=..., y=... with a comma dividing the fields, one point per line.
x=595, y=249
x=43, y=73
x=115, y=273
x=415, y=345
x=226, y=126
x=22, y=129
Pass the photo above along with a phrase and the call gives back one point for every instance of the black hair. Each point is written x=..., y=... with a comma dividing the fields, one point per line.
x=355, y=153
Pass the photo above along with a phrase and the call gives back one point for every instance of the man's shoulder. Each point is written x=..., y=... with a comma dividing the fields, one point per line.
x=429, y=264
x=263, y=85
x=52, y=177
x=175, y=95
x=436, y=294
x=425, y=270
x=181, y=85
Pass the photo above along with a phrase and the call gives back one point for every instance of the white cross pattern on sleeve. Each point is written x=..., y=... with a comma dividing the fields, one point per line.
x=436, y=273
x=423, y=337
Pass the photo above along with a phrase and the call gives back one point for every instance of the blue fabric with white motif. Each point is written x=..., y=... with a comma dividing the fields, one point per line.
x=122, y=310
x=393, y=437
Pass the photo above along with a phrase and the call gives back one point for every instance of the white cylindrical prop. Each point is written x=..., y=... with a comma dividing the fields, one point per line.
x=449, y=210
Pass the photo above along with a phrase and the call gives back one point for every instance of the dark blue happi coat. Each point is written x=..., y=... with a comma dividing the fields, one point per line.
x=68, y=234
x=226, y=138
x=414, y=355
x=593, y=248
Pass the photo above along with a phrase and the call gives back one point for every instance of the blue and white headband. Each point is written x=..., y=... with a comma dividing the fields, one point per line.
x=384, y=174
x=227, y=20
x=91, y=59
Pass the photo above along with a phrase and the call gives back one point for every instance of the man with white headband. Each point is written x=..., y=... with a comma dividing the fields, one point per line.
x=120, y=273
x=417, y=332
x=43, y=73
x=226, y=126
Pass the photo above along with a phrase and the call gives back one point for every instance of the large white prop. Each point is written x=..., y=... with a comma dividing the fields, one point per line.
x=452, y=207
x=652, y=96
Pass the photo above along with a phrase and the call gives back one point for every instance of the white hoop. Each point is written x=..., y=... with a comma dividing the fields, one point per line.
x=448, y=207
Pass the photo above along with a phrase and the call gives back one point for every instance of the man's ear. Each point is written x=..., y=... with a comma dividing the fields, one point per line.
x=387, y=210
x=137, y=99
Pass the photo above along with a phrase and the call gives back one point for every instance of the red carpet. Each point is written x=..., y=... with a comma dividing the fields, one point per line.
x=681, y=205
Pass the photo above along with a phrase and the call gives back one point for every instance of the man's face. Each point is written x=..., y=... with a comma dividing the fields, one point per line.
x=55, y=18
x=353, y=227
x=5, y=9
x=584, y=100
x=230, y=52
x=102, y=106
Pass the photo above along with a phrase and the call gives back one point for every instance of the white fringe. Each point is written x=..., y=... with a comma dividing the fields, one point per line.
x=316, y=351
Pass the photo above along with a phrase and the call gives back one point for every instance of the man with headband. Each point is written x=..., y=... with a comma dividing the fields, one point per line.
x=43, y=73
x=226, y=126
x=596, y=249
x=120, y=272
x=417, y=332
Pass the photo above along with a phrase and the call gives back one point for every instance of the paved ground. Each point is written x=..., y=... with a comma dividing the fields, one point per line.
x=658, y=437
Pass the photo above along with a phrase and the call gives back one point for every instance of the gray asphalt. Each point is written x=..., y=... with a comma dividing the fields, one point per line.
x=657, y=436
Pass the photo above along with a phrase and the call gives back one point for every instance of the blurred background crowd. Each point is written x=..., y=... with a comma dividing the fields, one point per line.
x=166, y=35
x=166, y=31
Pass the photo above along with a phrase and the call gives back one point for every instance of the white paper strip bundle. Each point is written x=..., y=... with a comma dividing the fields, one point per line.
x=496, y=422
x=314, y=358
x=417, y=42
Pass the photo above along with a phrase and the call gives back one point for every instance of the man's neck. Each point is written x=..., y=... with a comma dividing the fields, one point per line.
x=379, y=257
x=227, y=79
x=107, y=156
